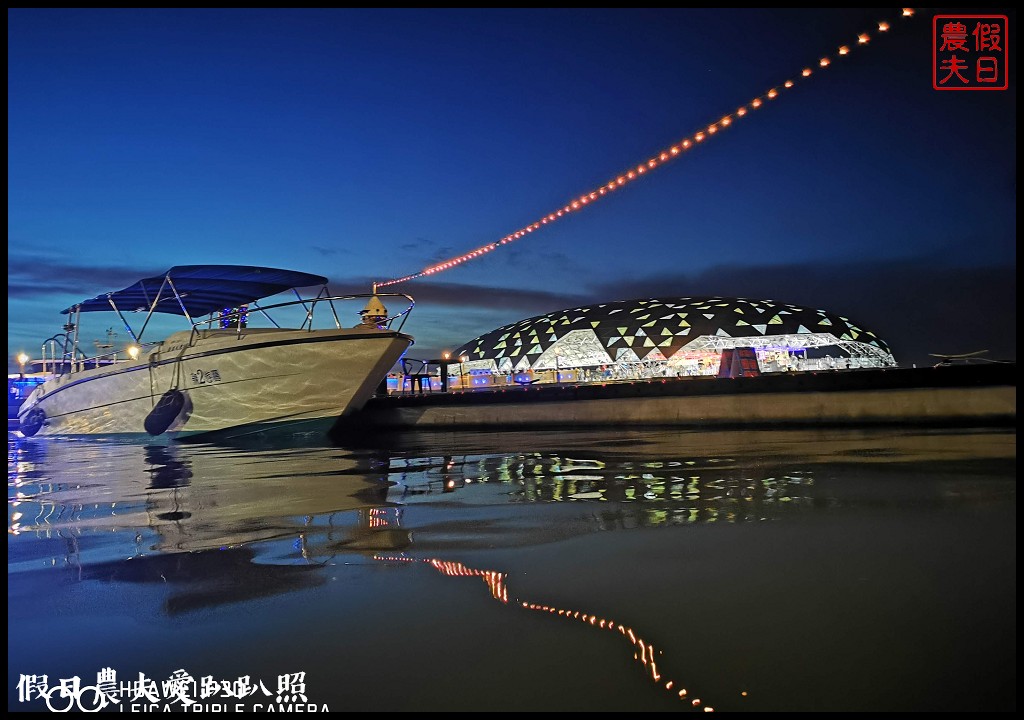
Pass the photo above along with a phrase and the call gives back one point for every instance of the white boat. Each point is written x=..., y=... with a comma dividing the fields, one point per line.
x=221, y=374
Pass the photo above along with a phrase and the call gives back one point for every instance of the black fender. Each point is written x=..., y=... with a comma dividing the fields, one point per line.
x=166, y=410
x=32, y=422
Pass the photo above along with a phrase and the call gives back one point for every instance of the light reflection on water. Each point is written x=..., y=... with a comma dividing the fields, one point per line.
x=225, y=527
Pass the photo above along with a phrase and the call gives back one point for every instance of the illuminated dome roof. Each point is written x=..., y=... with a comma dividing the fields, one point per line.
x=664, y=329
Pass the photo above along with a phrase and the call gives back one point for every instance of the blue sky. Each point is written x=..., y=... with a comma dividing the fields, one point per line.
x=367, y=144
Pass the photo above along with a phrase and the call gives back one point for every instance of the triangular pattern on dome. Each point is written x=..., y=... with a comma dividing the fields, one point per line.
x=626, y=355
x=535, y=350
x=668, y=331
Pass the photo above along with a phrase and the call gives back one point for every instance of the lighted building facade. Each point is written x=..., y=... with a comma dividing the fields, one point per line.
x=673, y=337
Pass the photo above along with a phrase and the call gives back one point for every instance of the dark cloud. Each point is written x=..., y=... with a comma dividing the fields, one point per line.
x=918, y=306
x=458, y=295
x=418, y=245
x=28, y=278
x=555, y=260
x=328, y=252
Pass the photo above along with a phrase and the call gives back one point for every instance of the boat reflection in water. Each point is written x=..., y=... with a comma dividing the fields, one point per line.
x=202, y=518
x=217, y=525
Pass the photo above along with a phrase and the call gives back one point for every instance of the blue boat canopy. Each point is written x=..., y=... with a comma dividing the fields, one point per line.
x=201, y=289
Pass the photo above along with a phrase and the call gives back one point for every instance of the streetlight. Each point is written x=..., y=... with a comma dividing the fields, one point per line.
x=462, y=359
x=445, y=356
x=22, y=359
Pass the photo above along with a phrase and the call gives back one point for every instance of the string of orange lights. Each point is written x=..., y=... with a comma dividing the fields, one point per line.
x=644, y=652
x=642, y=169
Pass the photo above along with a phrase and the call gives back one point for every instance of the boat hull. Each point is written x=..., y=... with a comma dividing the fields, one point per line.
x=219, y=381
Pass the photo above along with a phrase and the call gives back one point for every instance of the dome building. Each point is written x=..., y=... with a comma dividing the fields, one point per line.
x=675, y=336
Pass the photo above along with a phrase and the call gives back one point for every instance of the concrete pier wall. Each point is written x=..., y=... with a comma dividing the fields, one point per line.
x=952, y=396
x=991, y=405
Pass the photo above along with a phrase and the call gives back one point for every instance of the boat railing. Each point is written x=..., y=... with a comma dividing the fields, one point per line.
x=77, y=361
x=236, y=318
x=66, y=356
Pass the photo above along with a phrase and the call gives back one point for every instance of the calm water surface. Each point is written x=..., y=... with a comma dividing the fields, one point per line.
x=642, y=571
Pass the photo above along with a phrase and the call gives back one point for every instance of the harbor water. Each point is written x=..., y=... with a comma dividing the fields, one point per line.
x=628, y=570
